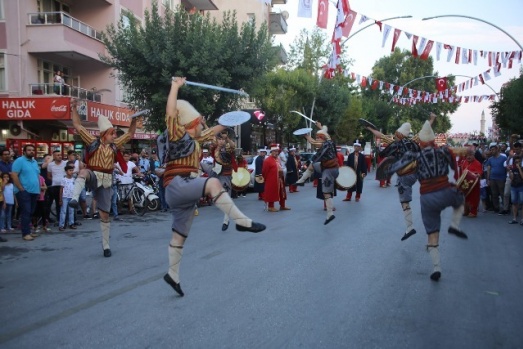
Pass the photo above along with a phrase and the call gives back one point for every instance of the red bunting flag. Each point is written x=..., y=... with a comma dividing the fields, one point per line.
x=426, y=51
x=349, y=22
x=441, y=84
x=414, y=44
x=323, y=14
x=397, y=33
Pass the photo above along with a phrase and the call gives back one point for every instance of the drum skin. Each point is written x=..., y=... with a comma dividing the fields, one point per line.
x=466, y=182
x=240, y=179
x=346, y=178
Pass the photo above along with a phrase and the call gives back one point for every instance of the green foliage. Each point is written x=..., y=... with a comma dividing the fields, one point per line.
x=508, y=109
x=399, y=68
x=182, y=44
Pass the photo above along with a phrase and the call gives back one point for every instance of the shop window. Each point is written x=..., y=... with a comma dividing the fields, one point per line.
x=2, y=72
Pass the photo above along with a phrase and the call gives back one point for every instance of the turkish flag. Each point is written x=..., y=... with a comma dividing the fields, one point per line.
x=323, y=14
x=441, y=84
x=349, y=22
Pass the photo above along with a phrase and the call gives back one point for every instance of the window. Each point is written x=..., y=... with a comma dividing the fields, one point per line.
x=2, y=72
x=2, y=9
x=251, y=17
x=46, y=71
x=169, y=4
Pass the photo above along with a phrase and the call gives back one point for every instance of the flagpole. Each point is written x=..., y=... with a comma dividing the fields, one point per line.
x=477, y=19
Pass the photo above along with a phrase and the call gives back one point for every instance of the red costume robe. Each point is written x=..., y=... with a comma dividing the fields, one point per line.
x=274, y=182
x=472, y=200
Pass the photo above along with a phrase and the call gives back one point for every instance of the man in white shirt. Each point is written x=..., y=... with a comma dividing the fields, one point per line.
x=55, y=173
x=207, y=162
x=126, y=179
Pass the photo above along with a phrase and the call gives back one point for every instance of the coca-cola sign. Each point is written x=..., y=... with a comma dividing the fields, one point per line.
x=59, y=108
x=35, y=108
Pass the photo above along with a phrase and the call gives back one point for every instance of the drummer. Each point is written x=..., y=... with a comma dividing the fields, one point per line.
x=470, y=164
x=328, y=159
x=437, y=193
x=396, y=147
x=224, y=150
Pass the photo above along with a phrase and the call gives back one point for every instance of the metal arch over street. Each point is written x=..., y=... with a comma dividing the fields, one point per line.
x=477, y=19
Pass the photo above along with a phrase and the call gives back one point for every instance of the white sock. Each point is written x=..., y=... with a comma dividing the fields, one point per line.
x=457, y=214
x=305, y=176
x=434, y=254
x=227, y=206
x=106, y=233
x=175, y=256
x=407, y=213
x=79, y=185
x=226, y=219
x=330, y=206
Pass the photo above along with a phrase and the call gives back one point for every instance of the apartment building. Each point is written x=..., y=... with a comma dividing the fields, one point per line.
x=38, y=38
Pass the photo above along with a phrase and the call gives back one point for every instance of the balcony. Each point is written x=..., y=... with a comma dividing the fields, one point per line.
x=71, y=91
x=277, y=23
x=201, y=5
x=70, y=37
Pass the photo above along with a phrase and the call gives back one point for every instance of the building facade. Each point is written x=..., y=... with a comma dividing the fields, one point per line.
x=39, y=38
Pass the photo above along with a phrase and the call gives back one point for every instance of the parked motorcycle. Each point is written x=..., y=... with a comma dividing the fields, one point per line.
x=143, y=197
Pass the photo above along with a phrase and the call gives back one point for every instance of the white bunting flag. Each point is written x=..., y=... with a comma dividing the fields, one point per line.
x=363, y=19
x=305, y=8
x=409, y=35
x=450, y=51
x=486, y=75
x=438, y=50
x=497, y=68
x=386, y=32
x=422, y=44
x=464, y=56
x=475, y=57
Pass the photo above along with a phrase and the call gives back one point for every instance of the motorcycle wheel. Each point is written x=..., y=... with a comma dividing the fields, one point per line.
x=140, y=202
x=153, y=205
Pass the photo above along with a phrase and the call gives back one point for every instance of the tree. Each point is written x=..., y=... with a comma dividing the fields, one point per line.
x=507, y=111
x=400, y=68
x=183, y=44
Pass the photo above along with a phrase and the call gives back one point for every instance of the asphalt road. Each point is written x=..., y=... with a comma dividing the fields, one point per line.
x=299, y=284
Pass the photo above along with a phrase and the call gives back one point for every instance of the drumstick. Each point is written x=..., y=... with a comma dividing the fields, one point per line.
x=306, y=117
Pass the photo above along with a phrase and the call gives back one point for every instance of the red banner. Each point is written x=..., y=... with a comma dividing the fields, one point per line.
x=118, y=116
x=35, y=108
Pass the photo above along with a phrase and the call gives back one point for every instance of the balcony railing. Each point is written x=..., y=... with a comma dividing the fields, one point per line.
x=64, y=90
x=48, y=18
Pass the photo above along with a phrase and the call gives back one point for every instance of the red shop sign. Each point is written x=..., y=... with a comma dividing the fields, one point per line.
x=118, y=116
x=35, y=108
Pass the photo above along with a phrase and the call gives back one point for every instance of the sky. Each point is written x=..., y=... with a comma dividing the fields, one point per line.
x=365, y=47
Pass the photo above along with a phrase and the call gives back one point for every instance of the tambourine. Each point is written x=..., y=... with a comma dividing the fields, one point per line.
x=234, y=118
x=302, y=131
x=139, y=113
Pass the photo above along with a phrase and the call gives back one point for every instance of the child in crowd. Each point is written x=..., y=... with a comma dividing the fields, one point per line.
x=66, y=194
x=40, y=209
x=8, y=203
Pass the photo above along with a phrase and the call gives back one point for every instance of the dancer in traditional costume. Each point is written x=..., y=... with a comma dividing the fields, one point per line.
x=183, y=185
x=437, y=193
x=225, y=163
x=406, y=177
x=102, y=153
x=328, y=160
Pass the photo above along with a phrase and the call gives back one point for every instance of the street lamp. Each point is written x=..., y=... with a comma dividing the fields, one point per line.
x=477, y=19
x=370, y=25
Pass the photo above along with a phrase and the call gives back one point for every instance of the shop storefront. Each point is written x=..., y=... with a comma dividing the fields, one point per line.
x=46, y=123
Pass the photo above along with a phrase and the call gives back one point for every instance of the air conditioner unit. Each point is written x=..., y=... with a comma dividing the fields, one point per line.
x=63, y=135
